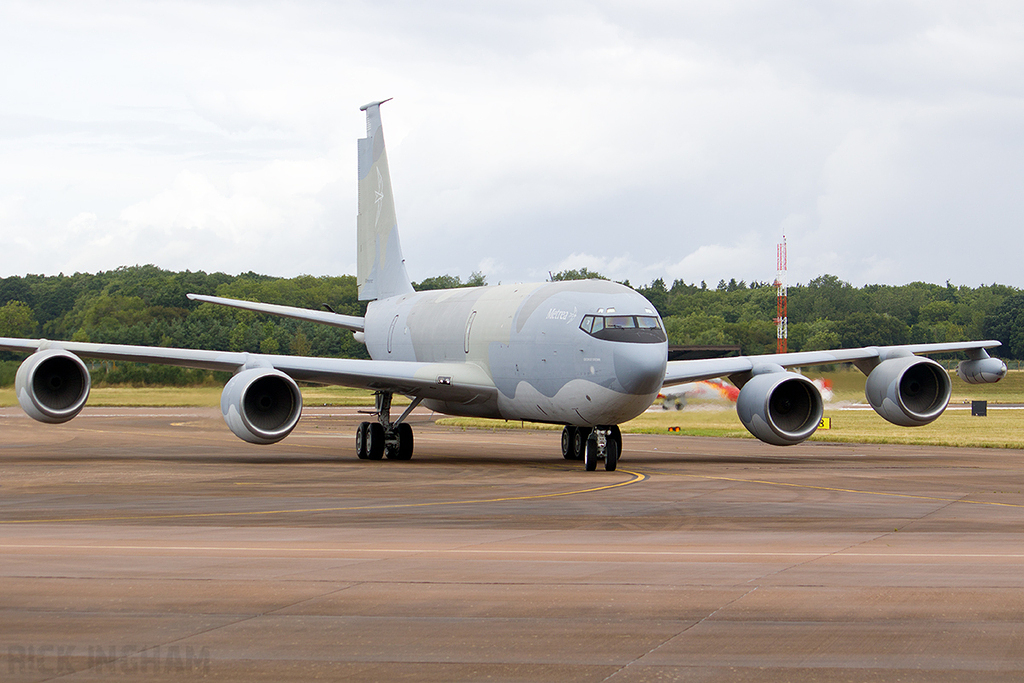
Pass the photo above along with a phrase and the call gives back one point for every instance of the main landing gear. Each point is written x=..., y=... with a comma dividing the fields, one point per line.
x=374, y=440
x=591, y=445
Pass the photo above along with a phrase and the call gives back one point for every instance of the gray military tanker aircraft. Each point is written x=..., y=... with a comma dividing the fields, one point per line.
x=587, y=354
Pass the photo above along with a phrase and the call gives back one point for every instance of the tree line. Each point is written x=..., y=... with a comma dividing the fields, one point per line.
x=146, y=305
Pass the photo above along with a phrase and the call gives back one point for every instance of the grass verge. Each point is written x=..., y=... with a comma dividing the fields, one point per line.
x=1000, y=429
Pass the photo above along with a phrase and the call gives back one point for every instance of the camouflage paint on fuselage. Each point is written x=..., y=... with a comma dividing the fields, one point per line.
x=527, y=340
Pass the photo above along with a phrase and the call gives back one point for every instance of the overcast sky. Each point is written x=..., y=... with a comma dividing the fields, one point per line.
x=642, y=139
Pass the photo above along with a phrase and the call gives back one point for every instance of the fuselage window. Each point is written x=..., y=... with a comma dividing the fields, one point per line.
x=620, y=322
x=642, y=329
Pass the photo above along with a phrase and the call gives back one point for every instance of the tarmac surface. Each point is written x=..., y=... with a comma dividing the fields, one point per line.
x=153, y=544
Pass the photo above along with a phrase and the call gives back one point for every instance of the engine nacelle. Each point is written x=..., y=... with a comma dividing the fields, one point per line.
x=261, y=405
x=981, y=371
x=52, y=385
x=910, y=391
x=780, y=408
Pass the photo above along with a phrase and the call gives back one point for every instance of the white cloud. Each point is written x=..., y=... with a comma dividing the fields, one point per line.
x=639, y=139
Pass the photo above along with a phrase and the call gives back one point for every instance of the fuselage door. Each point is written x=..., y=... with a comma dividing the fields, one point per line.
x=469, y=326
x=391, y=332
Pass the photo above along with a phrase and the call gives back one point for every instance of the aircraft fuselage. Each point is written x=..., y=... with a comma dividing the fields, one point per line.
x=530, y=340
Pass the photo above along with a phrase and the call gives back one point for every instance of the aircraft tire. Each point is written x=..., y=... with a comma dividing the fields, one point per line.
x=568, y=436
x=404, y=449
x=361, y=440
x=611, y=455
x=374, y=441
x=590, y=455
x=616, y=434
x=579, y=443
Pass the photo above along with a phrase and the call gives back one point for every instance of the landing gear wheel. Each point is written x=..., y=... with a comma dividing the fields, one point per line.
x=568, y=435
x=590, y=455
x=360, y=440
x=614, y=434
x=403, y=450
x=374, y=441
x=579, y=442
x=611, y=454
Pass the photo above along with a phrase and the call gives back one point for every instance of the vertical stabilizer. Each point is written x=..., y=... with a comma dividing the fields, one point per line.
x=380, y=267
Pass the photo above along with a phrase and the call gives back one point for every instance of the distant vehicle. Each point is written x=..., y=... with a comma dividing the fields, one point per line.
x=716, y=389
x=586, y=354
x=676, y=397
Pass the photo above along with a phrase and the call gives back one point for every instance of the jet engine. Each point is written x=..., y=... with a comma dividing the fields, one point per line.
x=261, y=405
x=778, y=407
x=52, y=385
x=910, y=391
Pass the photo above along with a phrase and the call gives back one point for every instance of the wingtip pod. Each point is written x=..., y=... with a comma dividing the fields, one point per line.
x=981, y=368
x=380, y=268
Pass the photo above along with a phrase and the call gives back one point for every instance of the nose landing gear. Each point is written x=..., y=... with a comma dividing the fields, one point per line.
x=591, y=445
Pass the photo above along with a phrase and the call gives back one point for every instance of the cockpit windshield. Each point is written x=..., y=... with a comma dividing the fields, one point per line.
x=643, y=329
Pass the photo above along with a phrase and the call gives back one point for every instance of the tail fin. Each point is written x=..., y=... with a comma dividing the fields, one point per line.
x=380, y=267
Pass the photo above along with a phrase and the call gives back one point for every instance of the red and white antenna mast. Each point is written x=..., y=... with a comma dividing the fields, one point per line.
x=781, y=316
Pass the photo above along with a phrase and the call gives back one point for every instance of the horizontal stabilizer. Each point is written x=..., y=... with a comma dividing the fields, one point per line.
x=348, y=322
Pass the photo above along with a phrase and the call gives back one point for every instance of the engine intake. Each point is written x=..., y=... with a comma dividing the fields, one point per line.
x=911, y=391
x=261, y=405
x=780, y=408
x=52, y=385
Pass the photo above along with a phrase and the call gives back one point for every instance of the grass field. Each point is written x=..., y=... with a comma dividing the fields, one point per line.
x=1000, y=429
x=848, y=385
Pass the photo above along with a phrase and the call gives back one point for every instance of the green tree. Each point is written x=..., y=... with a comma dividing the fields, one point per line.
x=871, y=329
x=17, y=320
x=1006, y=323
x=579, y=274
x=438, y=282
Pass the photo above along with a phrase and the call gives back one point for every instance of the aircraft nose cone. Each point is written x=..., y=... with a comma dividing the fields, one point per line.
x=640, y=368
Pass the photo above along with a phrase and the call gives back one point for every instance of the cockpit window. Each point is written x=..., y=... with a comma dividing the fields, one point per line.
x=643, y=329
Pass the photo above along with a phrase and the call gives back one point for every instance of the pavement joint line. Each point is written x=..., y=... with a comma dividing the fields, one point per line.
x=688, y=627
x=841, y=490
x=511, y=551
x=637, y=478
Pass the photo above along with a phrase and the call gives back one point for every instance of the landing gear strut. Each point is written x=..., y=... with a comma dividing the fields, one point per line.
x=374, y=440
x=591, y=445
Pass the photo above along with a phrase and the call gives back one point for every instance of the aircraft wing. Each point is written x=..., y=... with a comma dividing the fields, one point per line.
x=456, y=382
x=682, y=371
x=348, y=322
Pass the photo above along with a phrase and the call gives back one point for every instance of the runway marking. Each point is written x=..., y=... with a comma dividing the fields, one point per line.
x=842, y=490
x=510, y=551
x=637, y=478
